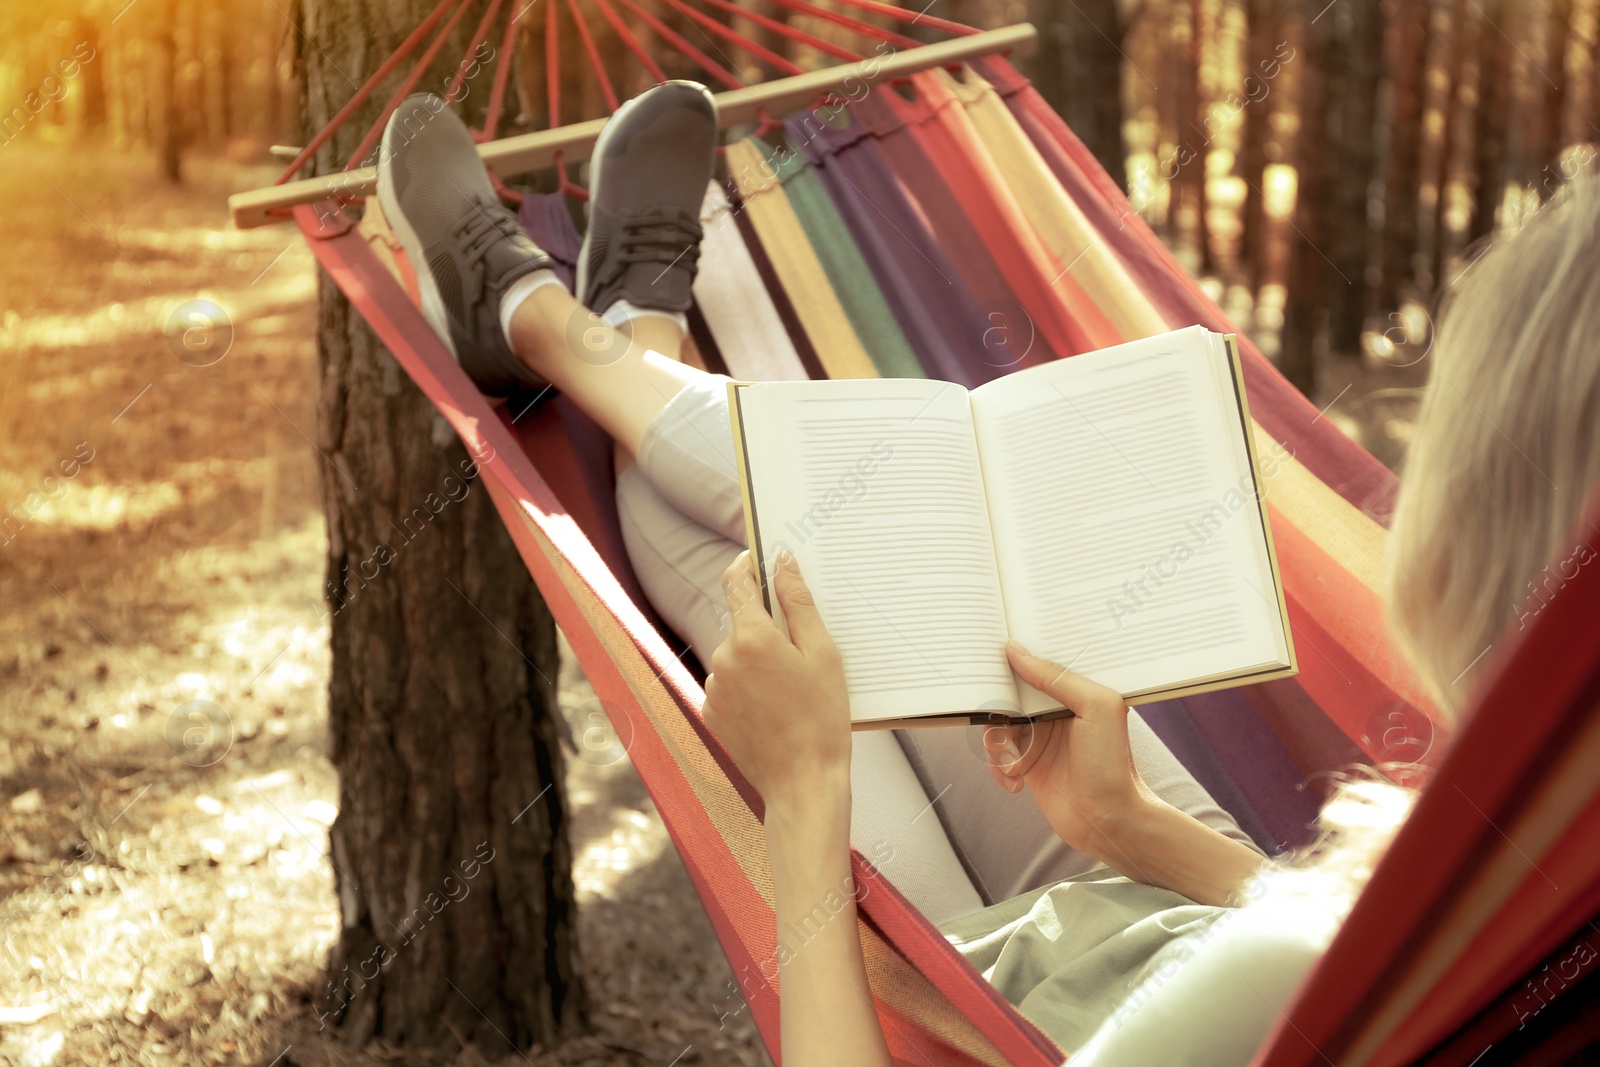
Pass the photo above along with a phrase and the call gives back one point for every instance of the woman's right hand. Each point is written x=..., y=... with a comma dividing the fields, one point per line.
x=1080, y=768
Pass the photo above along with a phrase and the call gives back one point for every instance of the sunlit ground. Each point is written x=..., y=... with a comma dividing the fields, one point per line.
x=165, y=794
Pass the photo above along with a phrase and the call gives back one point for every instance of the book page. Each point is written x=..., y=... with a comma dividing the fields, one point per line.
x=1125, y=522
x=875, y=487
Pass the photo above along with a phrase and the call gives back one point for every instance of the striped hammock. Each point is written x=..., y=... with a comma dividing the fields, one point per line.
x=960, y=231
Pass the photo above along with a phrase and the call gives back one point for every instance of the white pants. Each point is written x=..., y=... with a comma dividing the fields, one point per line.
x=974, y=844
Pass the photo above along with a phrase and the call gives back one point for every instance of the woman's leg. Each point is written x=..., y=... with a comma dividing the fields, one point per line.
x=618, y=382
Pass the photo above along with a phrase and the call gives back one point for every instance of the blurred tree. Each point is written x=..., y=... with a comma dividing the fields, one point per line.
x=165, y=115
x=1542, y=163
x=1261, y=44
x=1311, y=274
x=1078, y=69
x=91, y=74
x=1407, y=62
x=442, y=702
x=1356, y=67
x=1437, y=236
x=1492, y=122
x=1197, y=130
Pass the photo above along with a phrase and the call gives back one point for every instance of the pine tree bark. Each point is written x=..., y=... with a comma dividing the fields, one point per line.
x=1401, y=193
x=1078, y=70
x=1310, y=276
x=450, y=849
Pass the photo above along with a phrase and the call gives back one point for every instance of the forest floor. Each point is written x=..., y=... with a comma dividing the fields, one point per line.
x=165, y=793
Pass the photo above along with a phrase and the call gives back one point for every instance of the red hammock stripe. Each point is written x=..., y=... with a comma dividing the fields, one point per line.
x=406, y=87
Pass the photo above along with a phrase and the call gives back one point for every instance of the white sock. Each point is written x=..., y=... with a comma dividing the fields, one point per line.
x=621, y=313
x=520, y=290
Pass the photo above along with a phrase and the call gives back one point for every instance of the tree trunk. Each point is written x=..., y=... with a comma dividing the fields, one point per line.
x=1194, y=135
x=1552, y=78
x=1310, y=277
x=165, y=113
x=1078, y=70
x=1353, y=95
x=771, y=39
x=1260, y=44
x=1434, y=166
x=450, y=849
x=1463, y=43
x=1491, y=125
x=1401, y=193
x=92, y=75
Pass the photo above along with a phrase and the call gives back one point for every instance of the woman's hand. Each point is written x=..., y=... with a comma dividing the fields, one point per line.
x=779, y=703
x=780, y=706
x=1079, y=769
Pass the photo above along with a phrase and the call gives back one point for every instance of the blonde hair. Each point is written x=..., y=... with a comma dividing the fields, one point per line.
x=1505, y=457
x=1507, y=447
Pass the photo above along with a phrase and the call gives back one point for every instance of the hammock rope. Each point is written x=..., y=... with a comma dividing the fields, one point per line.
x=479, y=36
x=722, y=75
x=640, y=52
x=838, y=18
x=367, y=89
x=600, y=74
x=784, y=29
x=370, y=139
x=734, y=37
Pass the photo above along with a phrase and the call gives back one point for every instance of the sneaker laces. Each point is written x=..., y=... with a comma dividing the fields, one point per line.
x=485, y=226
x=666, y=234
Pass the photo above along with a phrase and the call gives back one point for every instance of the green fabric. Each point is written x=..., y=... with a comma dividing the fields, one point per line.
x=870, y=314
x=1070, y=954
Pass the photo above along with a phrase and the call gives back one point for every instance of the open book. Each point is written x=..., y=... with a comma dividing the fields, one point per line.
x=1103, y=510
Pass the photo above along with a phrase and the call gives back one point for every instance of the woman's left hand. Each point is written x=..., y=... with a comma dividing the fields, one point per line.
x=779, y=703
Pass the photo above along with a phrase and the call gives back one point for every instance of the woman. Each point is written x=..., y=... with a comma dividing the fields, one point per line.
x=1136, y=957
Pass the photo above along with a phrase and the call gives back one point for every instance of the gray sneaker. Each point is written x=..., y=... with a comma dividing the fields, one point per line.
x=647, y=179
x=465, y=246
